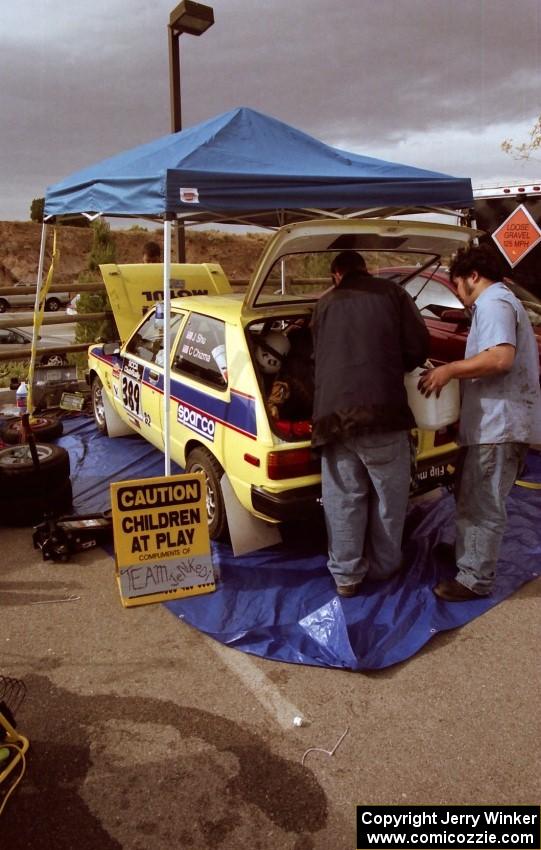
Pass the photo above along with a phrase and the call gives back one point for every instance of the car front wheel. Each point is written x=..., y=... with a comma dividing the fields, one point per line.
x=52, y=304
x=201, y=460
x=98, y=406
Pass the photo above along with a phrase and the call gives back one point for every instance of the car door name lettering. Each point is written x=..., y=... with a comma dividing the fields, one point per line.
x=195, y=421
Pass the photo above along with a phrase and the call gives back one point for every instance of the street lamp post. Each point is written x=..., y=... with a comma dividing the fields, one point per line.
x=195, y=19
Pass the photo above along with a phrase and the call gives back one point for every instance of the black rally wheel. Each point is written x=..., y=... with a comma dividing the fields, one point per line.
x=201, y=460
x=98, y=406
x=43, y=427
x=18, y=476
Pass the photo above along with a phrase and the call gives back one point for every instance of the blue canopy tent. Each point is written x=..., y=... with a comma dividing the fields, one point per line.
x=244, y=167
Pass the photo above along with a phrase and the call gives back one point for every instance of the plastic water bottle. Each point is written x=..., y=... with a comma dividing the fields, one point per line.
x=21, y=396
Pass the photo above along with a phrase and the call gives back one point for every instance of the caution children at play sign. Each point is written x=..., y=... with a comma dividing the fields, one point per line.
x=162, y=546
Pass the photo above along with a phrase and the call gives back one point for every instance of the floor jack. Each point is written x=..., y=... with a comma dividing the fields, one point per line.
x=60, y=537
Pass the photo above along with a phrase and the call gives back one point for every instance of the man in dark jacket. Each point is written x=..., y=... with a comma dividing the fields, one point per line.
x=367, y=333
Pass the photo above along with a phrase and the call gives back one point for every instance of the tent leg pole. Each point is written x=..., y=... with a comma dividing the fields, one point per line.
x=166, y=344
x=35, y=329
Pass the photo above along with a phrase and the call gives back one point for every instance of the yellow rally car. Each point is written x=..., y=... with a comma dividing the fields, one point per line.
x=241, y=385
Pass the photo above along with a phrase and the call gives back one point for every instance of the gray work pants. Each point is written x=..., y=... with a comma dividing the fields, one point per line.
x=365, y=486
x=485, y=476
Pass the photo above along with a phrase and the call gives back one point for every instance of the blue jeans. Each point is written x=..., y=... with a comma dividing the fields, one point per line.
x=365, y=486
x=485, y=476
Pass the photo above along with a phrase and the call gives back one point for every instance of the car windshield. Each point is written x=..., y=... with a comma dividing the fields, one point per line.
x=432, y=291
x=308, y=274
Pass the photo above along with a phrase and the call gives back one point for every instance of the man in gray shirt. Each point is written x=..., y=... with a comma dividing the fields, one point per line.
x=500, y=416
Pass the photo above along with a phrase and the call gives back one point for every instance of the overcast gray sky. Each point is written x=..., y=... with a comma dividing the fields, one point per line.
x=433, y=83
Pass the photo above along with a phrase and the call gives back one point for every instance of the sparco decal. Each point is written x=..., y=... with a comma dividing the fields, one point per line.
x=196, y=421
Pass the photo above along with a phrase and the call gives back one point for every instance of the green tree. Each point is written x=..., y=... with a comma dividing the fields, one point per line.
x=103, y=245
x=103, y=250
x=36, y=209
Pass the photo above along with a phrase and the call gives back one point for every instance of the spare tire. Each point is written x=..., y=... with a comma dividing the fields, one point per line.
x=19, y=476
x=44, y=428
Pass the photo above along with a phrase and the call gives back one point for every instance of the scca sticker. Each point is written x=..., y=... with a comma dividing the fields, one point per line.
x=195, y=421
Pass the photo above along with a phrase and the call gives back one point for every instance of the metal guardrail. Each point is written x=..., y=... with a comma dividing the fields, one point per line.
x=26, y=319
x=55, y=287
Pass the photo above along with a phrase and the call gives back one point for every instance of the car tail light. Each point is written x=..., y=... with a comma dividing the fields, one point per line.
x=287, y=428
x=292, y=463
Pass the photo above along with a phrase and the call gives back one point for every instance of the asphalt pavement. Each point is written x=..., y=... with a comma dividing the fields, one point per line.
x=146, y=734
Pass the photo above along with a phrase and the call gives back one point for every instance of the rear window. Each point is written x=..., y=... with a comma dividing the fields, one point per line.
x=306, y=276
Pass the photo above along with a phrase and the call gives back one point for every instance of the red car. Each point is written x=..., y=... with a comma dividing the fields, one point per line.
x=446, y=318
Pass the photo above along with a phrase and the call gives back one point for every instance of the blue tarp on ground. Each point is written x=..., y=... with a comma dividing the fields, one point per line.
x=242, y=162
x=280, y=603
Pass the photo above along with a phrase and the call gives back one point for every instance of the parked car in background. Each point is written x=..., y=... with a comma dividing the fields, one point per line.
x=55, y=301
x=447, y=320
x=11, y=338
x=240, y=366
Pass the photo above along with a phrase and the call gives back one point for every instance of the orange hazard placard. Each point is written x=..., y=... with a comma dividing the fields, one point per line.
x=517, y=235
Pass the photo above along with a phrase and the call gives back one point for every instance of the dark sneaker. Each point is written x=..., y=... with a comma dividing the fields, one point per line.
x=452, y=591
x=349, y=589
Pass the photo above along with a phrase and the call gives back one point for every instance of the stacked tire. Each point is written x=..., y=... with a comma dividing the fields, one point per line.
x=28, y=492
x=44, y=428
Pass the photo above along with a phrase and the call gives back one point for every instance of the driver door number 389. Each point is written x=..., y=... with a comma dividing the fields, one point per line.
x=131, y=396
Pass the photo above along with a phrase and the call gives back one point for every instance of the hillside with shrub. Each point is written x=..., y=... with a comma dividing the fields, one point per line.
x=20, y=244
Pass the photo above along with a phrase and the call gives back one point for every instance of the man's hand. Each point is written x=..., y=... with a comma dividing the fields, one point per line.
x=434, y=380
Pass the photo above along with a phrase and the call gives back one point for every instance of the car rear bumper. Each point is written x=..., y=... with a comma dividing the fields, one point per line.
x=298, y=504
x=303, y=502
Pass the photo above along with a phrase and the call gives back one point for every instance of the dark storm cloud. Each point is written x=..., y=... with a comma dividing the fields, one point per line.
x=83, y=81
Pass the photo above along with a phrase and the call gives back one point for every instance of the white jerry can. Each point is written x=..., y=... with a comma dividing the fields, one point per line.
x=432, y=413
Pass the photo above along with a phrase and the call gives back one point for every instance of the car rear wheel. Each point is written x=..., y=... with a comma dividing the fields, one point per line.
x=52, y=304
x=98, y=406
x=3, y=305
x=201, y=460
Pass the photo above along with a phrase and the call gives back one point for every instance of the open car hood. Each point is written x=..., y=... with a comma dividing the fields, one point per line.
x=134, y=288
x=330, y=236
